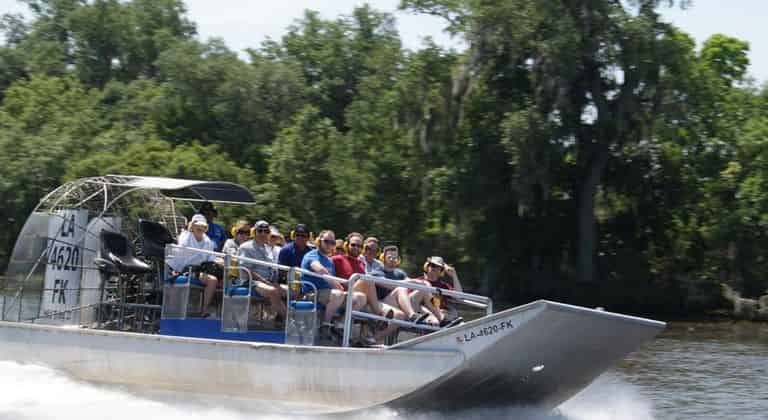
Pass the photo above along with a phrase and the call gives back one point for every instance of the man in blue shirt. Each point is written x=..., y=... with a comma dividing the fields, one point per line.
x=330, y=292
x=215, y=231
x=293, y=252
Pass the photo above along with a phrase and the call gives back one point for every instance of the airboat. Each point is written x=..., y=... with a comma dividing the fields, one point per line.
x=88, y=292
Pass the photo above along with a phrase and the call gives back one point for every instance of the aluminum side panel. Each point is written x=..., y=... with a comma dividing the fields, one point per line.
x=345, y=379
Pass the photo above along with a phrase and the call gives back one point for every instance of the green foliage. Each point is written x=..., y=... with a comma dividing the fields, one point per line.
x=571, y=140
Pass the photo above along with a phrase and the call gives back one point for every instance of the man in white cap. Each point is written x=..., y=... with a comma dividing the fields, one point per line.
x=264, y=278
x=195, y=238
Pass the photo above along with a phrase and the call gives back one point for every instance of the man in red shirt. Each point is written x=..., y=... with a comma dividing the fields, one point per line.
x=350, y=263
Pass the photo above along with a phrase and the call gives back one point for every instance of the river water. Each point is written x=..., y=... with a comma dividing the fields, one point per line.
x=692, y=371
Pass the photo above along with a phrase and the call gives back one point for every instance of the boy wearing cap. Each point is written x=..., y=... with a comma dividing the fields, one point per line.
x=368, y=256
x=195, y=237
x=215, y=231
x=264, y=278
x=398, y=297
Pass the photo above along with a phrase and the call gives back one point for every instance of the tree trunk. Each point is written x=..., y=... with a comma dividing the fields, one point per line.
x=587, y=227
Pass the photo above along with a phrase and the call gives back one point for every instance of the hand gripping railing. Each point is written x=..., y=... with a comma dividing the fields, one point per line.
x=466, y=298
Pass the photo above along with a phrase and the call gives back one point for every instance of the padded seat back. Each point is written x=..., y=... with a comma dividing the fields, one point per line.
x=153, y=238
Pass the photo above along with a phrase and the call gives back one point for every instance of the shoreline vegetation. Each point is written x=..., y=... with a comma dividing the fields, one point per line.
x=585, y=152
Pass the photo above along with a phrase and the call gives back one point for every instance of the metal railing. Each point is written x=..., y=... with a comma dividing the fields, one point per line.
x=227, y=264
x=349, y=314
x=461, y=298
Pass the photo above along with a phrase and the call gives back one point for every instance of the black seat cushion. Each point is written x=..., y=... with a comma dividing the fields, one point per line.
x=117, y=255
x=129, y=264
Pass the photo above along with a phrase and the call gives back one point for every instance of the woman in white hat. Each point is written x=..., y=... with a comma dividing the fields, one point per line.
x=194, y=237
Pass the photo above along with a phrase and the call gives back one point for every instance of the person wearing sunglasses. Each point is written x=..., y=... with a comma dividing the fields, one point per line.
x=293, y=252
x=398, y=297
x=370, y=253
x=241, y=232
x=443, y=312
x=264, y=278
x=330, y=292
x=349, y=263
x=339, y=249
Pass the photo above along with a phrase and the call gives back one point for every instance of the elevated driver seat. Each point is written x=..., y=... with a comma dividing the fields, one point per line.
x=153, y=237
x=116, y=255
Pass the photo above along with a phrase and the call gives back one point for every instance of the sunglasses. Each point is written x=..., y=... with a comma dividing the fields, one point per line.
x=243, y=232
x=355, y=245
x=300, y=235
x=339, y=249
x=329, y=241
x=263, y=230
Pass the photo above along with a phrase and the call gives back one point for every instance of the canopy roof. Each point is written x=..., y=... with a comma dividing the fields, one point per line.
x=187, y=189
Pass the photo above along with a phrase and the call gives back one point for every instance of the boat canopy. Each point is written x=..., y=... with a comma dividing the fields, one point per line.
x=189, y=189
x=60, y=239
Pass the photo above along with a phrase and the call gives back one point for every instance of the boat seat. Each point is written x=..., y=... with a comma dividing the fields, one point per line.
x=242, y=291
x=185, y=278
x=116, y=255
x=153, y=237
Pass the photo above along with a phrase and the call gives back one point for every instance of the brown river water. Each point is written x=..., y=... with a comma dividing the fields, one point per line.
x=691, y=371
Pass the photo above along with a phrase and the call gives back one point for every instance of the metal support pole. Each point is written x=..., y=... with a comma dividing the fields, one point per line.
x=290, y=278
x=348, y=312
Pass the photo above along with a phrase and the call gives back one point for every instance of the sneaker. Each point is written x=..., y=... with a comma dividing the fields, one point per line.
x=418, y=318
x=452, y=323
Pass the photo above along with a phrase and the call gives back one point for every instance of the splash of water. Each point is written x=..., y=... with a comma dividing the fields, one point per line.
x=608, y=398
x=29, y=392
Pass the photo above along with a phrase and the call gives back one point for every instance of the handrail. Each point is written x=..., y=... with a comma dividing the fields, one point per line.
x=408, y=285
x=262, y=263
x=349, y=313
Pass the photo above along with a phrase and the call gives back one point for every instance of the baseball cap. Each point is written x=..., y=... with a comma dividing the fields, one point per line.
x=199, y=220
x=208, y=207
x=301, y=228
x=438, y=261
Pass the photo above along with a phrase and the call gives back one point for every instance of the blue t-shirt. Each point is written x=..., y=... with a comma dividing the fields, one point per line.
x=396, y=274
x=291, y=256
x=319, y=282
x=217, y=235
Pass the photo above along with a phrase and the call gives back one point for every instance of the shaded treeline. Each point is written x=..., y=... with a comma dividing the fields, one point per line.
x=578, y=150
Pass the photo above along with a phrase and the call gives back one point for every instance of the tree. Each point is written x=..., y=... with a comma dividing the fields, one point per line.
x=593, y=73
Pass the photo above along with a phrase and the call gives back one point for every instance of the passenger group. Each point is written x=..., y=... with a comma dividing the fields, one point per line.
x=332, y=258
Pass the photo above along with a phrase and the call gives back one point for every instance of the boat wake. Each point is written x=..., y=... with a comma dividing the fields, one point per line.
x=39, y=393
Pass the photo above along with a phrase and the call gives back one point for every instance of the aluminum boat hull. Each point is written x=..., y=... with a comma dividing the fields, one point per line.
x=537, y=354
